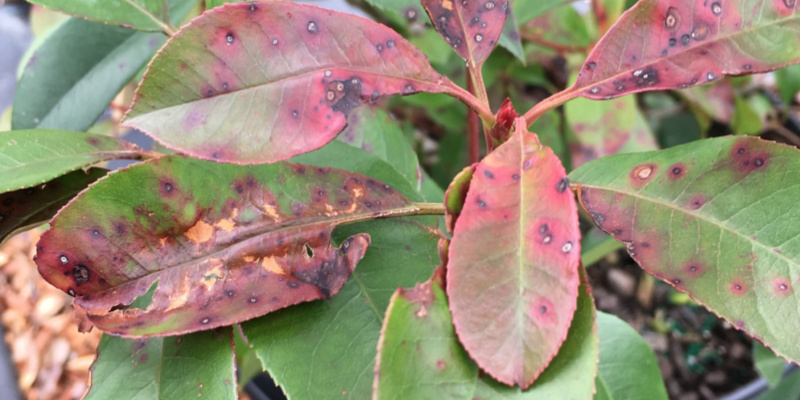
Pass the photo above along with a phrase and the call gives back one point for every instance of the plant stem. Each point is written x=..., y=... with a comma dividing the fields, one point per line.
x=473, y=144
x=469, y=99
x=413, y=209
x=550, y=103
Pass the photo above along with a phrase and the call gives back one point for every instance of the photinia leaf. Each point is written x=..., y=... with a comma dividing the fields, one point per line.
x=261, y=82
x=221, y=243
x=746, y=120
x=603, y=128
x=714, y=218
x=420, y=356
x=518, y=231
x=456, y=195
x=33, y=157
x=69, y=81
x=326, y=350
x=595, y=245
x=510, y=38
x=200, y=365
x=410, y=9
x=666, y=44
x=374, y=130
x=768, y=364
x=26, y=208
x=143, y=15
x=624, y=354
x=470, y=27
x=788, y=388
x=714, y=100
x=788, y=83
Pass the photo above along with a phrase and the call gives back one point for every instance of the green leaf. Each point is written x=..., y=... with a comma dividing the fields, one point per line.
x=27, y=208
x=768, y=364
x=373, y=129
x=30, y=158
x=510, y=38
x=326, y=350
x=527, y=10
x=226, y=87
x=512, y=274
x=788, y=388
x=200, y=365
x=78, y=70
x=143, y=15
x=410, y=9
x=714, y=218
x=70, y=80
x=225, y=243
x=662, y=44
x=603, y=128
x=628, y=369
x=788, y=82
x=715, y=100
x=595, y=245
x=746, y=120
x=420, y=356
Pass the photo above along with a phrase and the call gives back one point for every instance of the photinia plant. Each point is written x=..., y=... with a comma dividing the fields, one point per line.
x=252, y=223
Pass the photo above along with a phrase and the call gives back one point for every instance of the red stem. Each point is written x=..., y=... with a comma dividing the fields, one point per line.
x=473, y=144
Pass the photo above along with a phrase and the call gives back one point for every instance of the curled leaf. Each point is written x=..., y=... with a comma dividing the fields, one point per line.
x=216, y=243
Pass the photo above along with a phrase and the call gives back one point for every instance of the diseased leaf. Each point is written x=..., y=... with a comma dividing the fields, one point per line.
x=26, y=208
x=470, y=27
x=501, y=130
x=261, y=82
x=666, y=44
x=420, y=356
x=143, y=15
x=732, y=201
x=714, y=100
x=768, y=364
x=33, y=157
x=200, y=365
x=518, y=232
x=69, y=81
x=374, y=130
x=456, y=195
x=326, y=350
x=410, y=9
x=623, y=355
x=603, y=128
x=222, y=243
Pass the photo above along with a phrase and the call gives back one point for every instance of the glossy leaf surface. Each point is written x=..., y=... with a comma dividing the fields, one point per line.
x=326, y=350
x=471, y=28
x=200, y=365
x=732, y=201
x=373, y=129
x=223, y=243
x=26, y=208
x=512, y=278
x=628, y=369
x=144, y=15
x=33, y=157
x=70, y=80
x=261, y=82
x=665, y=44
x=420, y=356
x=603, y=128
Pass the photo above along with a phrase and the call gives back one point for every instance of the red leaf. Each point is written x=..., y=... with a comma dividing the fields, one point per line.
x=261, y=82
x=513, y=277
x=470, y=27
x=501, y=130
x=667, y=44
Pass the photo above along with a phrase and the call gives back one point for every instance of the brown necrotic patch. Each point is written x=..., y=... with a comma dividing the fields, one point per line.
x=672, y=20
x=81, y=273
x=643, y=173
x=700, y=31
x=344, y=95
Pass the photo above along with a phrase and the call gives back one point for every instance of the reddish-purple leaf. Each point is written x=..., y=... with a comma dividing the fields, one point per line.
x=666, y=44
x=261, y=82
x=512, y=277
x=471, y=27
x=221, y=243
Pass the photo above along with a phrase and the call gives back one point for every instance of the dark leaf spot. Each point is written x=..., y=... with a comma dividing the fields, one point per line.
x=80, y=273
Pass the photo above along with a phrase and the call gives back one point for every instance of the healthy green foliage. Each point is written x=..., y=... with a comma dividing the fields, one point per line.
x=768, y=364
x=144, y=15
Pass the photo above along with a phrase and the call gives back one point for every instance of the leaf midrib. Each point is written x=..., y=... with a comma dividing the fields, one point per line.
x=721, y=225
